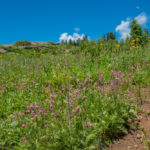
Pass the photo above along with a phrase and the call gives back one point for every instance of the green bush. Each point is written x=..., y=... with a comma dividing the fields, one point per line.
x=22, y=43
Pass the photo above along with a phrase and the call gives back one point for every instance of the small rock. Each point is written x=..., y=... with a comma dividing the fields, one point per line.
x=129, y=147
x=138, y=136
x=135, y=146
x=137, y=120
x=129, y=121
x=3, y=50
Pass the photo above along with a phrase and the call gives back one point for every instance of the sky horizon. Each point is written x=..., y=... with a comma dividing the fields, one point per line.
x=47, y=20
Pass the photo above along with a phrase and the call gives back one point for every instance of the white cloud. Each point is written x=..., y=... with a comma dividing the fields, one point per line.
x=141, y=19
x=77, y=29
x=74, y=37
x=124, y=28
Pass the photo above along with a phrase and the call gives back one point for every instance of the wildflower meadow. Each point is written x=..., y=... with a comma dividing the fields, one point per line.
x=71, y=97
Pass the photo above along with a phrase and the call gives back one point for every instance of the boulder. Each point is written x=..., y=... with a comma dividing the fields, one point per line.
x=3, y=50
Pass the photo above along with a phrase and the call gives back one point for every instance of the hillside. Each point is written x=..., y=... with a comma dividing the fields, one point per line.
x=92, y=93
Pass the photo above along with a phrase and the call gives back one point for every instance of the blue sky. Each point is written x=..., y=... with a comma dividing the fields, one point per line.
x=46, y=20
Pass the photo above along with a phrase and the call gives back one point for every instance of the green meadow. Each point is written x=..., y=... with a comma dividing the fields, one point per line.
x=71, y=96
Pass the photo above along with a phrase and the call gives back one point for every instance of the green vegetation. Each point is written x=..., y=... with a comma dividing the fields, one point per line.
x=71, y=96
x=137, y=33
x=22, y=43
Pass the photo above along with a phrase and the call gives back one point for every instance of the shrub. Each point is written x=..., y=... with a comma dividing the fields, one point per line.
x=22, y=43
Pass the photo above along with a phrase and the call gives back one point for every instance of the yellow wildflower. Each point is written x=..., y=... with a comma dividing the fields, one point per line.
x=133, y=46
x=132, y=43
x=118, y=45
x=137, y=39
x=42, y=54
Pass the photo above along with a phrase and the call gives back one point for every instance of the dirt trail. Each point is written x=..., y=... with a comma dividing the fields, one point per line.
x=137, y=139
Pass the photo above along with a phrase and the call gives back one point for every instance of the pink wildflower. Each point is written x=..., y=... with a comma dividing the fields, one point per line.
x=35, y=116
x=99, y=88
x=13, y=117
x=112, y=72
x=63, y=89
x=84, y=97
x=19, y=114
x=70, y=95
x=51, y=106
x=121, y=84
x=73, y=111
x=52, y=114
x=119, y=73
x=77, y=92
x=32, y=112
x=95, y=84
x=25, y=142
x=44, y=114
x=47, y=100
x=28, y=107
x=40, y=111
x=53, y=96
x=31, y=106
x=111, y=84
x=31, y=122
x=24, y=125
x=116, y=79
x=74, y=98
x=91, y=125
x=128, y=92
x=70, y=89
x=101, y=78
x=78, y=108
x=86, y=125
x=36, y=106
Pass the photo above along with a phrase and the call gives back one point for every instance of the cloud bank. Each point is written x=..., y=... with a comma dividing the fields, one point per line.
x=74, y=37
x=124, y=28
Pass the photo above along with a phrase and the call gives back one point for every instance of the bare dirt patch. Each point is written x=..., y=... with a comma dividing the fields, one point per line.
x=137, y=139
